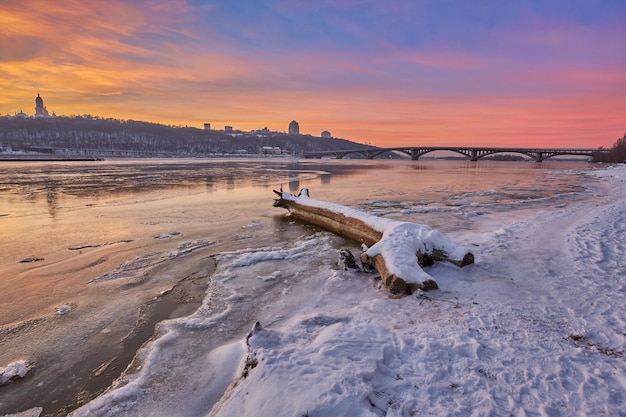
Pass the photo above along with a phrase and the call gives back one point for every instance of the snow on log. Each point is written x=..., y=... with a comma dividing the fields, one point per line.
x=396, y=249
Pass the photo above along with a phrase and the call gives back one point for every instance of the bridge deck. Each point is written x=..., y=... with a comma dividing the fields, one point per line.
x=471, y=153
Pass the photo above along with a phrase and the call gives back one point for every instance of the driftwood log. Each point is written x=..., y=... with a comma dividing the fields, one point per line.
x=396, y=249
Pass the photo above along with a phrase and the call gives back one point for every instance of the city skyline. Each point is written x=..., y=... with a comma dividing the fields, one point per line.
x=42, y=111
x=529, y=73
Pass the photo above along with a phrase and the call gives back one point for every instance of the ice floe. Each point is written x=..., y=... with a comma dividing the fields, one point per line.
x=13, y=371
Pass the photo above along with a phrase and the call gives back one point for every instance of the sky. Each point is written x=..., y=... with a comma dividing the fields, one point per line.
x=388, y=73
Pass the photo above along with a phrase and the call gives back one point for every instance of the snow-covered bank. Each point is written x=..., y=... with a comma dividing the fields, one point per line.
x=534, y=328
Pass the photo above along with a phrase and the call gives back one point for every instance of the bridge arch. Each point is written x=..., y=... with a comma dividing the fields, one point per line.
x=486, y=153
x=342, y=155
x=416, y=153
x=371, y=154
x=547, y=155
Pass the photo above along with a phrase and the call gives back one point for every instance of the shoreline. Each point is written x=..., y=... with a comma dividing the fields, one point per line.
x=93, y=375
x=120, y=344
x=48, y=159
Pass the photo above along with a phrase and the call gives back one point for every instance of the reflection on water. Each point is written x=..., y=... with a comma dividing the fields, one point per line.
x=52, y=191
x=46, y=206
x=37, y=199
x=64, y=184
x=87, y=220
x=32, y=181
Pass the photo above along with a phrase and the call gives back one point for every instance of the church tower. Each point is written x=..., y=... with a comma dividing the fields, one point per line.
x=40, y=109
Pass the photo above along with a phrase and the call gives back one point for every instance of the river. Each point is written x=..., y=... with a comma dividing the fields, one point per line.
x=94, y=254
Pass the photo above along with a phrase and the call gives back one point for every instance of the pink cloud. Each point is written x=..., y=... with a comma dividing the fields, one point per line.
x=156, y=62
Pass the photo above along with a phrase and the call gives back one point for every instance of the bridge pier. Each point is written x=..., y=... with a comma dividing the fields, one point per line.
x=474, y=155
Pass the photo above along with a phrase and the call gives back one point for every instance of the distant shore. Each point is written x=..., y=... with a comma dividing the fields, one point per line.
x=5, y=158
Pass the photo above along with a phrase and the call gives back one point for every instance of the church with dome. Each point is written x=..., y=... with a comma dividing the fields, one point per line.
x=40, y=109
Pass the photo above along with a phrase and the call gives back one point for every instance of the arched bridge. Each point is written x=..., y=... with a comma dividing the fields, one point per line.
x=471, y=153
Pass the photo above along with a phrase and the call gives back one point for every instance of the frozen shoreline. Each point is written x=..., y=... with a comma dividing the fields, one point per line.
x=97, y=360
x=535, y=327
x=293, y=284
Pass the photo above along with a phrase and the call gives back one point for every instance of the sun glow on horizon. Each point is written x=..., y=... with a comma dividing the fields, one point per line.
x=542, y=78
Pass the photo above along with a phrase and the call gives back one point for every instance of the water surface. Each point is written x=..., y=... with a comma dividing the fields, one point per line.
x=104, y=240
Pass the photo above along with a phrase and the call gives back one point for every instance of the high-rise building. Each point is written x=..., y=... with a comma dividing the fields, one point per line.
x=40, y=109
x=294, y=128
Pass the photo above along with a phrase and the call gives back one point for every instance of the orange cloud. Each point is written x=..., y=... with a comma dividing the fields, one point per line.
x=159, y=62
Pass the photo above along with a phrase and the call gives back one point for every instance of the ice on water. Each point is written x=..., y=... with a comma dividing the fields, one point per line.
x=535, y=327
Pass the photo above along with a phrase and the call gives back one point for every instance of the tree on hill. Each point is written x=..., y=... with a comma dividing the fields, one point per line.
x=91, y=135
x=616, y=154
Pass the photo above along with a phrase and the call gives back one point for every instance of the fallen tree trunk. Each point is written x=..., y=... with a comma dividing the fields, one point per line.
x=396, y=249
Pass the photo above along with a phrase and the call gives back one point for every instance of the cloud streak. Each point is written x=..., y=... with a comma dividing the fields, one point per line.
x=406, y=73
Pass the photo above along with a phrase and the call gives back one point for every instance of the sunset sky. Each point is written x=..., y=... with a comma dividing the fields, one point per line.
x=397, y=72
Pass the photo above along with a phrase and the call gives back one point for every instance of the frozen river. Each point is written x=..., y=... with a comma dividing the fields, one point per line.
x=93, y=255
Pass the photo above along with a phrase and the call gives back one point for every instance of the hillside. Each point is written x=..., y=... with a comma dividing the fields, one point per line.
x=93, y=136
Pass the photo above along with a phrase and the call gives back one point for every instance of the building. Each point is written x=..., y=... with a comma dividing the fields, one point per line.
x=294, y=128
x=207, y=126
x=271, y=150
x=40, y=109
x=326, y=134
x=228, y=128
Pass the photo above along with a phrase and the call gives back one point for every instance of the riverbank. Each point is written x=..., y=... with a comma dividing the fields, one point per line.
x=93, y=370
x=541, y=333
x=114, y=236
x=46, y=158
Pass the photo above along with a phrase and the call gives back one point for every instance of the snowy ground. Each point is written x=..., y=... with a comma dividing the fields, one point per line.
x=536, y=327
